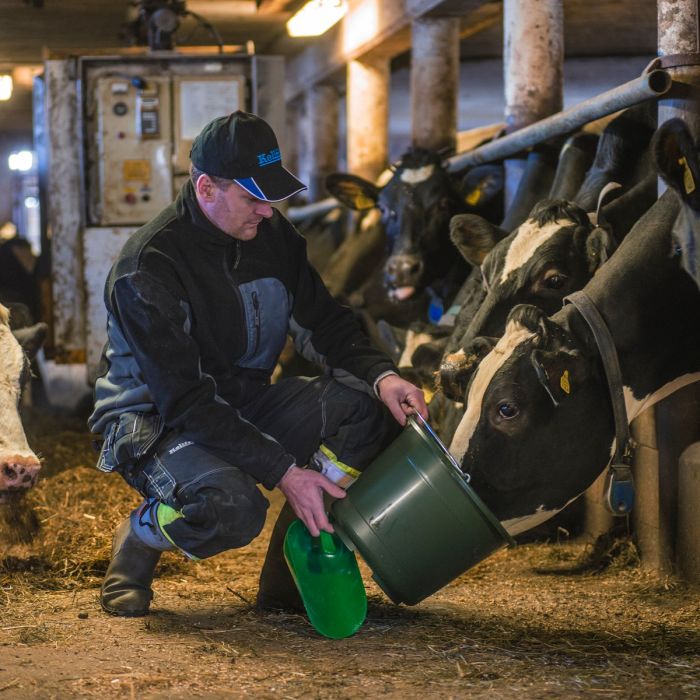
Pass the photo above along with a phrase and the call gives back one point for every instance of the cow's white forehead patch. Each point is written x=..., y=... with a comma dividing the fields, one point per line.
x=529, y=238
x=514, y=335
x=412, y=176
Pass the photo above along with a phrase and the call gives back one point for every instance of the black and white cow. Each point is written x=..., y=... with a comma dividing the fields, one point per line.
x=19, y=466
x=550, y=262
x=623, y=154
x=538, y=426
x=677, y=158
x=416, y=206
x=554, y=253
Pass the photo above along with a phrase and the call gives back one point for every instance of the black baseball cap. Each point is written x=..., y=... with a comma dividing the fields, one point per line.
x=243, y=147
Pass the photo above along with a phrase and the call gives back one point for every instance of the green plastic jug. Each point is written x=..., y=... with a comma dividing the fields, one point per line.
x=329, y=581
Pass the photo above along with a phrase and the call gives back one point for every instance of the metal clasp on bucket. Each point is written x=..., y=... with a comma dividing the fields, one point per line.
x=422, y=423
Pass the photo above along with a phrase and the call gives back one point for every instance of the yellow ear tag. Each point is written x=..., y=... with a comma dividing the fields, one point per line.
x=362, y=202
x=564, y=382
x=688, y=180
x=472, y=199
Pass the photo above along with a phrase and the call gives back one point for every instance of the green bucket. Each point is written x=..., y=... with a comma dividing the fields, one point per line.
x=414, y=518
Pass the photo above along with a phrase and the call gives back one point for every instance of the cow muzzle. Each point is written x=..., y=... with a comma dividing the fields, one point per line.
x=403, y=274
x=18, y=474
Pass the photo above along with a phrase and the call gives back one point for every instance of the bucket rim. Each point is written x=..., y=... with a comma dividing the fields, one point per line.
x=422, y=427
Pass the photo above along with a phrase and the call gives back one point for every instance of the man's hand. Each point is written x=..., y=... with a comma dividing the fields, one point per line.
x=303, y=489
x=401, y=397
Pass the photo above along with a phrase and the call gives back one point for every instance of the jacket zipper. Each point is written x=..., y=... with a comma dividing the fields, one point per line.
x=237, y=259
x=256, y=321
x=236, y=290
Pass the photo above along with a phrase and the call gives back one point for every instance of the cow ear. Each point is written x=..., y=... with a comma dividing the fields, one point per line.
x=561, y=372
x=456, y=369
x=31, y=338
x=597, y=245
x=481, y=184
x=675, y=157
x=535, y=320
x=352, y=191
x=474, y=237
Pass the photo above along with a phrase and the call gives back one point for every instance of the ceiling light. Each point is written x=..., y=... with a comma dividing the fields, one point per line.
x=316, y=17
x=5, y=87
x=21, y=160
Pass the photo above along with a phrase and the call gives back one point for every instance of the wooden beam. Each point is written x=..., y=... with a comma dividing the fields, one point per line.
x=372, y=28
x=269, y=7
x=440, y=8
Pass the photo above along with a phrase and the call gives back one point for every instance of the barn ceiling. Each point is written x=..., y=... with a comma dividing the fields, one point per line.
x=31, y=28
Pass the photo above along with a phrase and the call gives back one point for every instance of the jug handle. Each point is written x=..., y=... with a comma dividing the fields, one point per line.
x=327, y=543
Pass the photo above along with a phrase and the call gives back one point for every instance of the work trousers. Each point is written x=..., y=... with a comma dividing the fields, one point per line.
x=221, y=507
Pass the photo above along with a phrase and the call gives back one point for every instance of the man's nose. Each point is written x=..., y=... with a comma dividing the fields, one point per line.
x=264, y=209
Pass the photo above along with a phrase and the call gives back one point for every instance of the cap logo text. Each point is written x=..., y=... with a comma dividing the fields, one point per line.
x=274, y=156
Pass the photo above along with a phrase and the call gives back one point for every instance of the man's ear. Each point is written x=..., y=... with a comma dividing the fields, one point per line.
x=204, y=187
x=352, y=191
x=561, y=372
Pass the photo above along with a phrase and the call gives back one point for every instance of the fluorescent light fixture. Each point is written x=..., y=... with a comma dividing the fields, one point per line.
x=316, y=17
x=5, y=87
x=21, y=160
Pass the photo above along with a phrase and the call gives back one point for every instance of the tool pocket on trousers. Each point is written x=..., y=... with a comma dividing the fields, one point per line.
x=131, y=438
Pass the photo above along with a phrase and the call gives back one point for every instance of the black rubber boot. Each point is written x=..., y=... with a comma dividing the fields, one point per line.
x=277, y=590
x=126, y=590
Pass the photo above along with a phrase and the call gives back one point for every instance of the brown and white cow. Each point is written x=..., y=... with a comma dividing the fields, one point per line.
x=19, y=466
x=538, y=425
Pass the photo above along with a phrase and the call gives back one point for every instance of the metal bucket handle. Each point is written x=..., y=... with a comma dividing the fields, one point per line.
x=416, y=417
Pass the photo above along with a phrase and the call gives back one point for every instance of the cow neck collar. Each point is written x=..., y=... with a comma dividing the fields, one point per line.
x=608, y=355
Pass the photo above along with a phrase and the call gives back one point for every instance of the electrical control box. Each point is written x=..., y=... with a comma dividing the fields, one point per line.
x=141, y=120
x=133, y=146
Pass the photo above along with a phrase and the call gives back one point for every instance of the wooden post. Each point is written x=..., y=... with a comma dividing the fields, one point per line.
x=678, y=33
x=661, y=433
x=319, y=156
x=434, y=82
x=290, y=155
x=533, y=66
x=368, y=116
x=688, y=548
x=320, y=138
x=667, y=428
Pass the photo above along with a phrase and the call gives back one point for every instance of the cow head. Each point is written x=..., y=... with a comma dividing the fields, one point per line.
x=19, y=466
x=678, y=162
x=538, y=425
x=555, y=252
x=416, y=206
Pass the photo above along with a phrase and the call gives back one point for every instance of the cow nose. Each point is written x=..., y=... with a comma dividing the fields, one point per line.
x=18, y=473
x=404, y=270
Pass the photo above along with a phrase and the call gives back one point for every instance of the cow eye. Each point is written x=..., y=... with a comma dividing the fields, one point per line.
x=508, y=410
x=555, y=281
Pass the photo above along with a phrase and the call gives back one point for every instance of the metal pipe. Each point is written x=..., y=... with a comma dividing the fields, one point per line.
x=649, y=86
x=323, y=206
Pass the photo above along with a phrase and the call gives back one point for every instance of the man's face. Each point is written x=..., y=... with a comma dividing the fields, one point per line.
x=232, y=209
